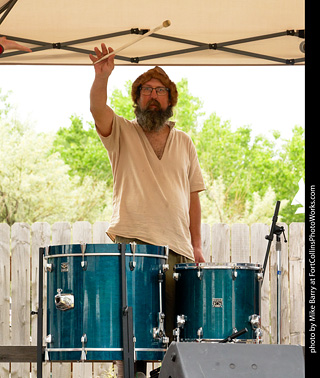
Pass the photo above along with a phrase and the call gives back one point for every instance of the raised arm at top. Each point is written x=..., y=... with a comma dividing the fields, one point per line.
x=101, y=112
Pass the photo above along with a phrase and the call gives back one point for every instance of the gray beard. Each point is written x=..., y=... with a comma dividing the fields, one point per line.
x=152, y=120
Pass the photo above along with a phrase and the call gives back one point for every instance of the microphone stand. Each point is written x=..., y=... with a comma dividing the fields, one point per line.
x=276, y=230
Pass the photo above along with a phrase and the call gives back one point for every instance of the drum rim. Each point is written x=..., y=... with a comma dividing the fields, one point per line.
x=74, y=250
x=211, y=265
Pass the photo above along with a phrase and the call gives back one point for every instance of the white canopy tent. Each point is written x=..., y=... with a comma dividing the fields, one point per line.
x=204, y=32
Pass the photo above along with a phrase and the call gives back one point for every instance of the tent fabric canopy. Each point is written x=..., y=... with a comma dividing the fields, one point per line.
x=206, y=32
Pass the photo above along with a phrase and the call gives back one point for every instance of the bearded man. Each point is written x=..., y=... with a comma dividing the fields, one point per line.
x=155, y=167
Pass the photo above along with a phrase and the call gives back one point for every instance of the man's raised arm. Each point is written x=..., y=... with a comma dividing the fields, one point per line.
x=101, y=112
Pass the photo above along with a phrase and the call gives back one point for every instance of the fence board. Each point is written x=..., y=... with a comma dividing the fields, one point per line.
x=99, y=234
x=220, y=240
x=20, y=268
x=240, y=246
x=297, y=280
x=4, y=292
x=206, y=245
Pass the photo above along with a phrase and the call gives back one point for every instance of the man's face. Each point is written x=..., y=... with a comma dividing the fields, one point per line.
x=154, y=101
x=153, y=110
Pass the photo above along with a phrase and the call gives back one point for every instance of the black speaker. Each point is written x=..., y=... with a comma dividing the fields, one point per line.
x=216, y=360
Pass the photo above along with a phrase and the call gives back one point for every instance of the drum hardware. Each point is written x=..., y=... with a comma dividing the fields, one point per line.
x=234, y=335
x=255, y=321
x=64, y=267
x=181, y=319
x=159, y=332
x=84, y=340
x=132, y=264
x=217, y=302
x=199, y=273
x=127, y=320
x=276, y=230
x=176, y=276
x=260, y=276
x=165, y=267
x=234, y=274
x=199, y=334
x=48, y=340
x=64, y=302
x=49, y=267
x=84, y=264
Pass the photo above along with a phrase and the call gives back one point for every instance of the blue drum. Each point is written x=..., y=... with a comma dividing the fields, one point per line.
x=84, y=303
x=215, y=301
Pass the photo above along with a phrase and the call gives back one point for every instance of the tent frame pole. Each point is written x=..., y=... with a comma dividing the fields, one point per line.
x=199, y=46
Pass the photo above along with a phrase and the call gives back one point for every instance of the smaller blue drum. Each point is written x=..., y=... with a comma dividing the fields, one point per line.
x=215, y=301
x=84, y=303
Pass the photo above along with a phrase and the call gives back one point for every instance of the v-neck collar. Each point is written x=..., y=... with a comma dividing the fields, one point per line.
x=170, y=124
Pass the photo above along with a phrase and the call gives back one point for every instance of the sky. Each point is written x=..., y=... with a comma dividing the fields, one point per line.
x=265, y=98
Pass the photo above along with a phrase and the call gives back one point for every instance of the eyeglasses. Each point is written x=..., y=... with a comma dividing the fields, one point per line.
x=160, y=91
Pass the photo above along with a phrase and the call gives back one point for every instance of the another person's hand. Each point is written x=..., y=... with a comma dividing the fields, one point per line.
x=12, y=45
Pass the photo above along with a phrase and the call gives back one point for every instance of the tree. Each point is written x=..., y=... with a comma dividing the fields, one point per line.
x=82, y=150
x=35, y=185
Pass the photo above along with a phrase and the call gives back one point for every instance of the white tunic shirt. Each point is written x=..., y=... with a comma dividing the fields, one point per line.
x=151, y=196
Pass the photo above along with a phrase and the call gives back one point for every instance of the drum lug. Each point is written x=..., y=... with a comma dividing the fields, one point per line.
x=234, y=274
x=199, y=334
x=84, y=264
x=132, y=264
x=165, y=267
x=84, y=339
x=199, y=274
x=181, y=320
x=49, y=268
x=255, y=321
x=64, y=302
x=260, y=276
x=176, y=335
x=48, y=340
x=176, y=276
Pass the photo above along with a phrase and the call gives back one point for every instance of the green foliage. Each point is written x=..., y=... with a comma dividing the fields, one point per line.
x=121, y=102
x=35, y=185
x=188, y=110
x=82, y=150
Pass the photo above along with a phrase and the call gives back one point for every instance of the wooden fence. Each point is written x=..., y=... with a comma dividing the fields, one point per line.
x=19, y=248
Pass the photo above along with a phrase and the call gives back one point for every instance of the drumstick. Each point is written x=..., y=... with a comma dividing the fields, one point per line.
x=165, y=24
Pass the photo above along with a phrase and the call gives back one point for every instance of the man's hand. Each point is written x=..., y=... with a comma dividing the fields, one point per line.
x=106, y=66
x=12, y=45
x=198, y=255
